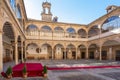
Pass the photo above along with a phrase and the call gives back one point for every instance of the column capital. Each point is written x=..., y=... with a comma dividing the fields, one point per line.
x=65, y=49
x=15, y=42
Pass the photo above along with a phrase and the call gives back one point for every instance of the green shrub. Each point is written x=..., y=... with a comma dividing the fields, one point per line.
x=9, y=70
x=45, y=69
x=24, y=69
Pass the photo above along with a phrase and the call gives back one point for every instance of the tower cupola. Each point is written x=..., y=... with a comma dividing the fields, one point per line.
x=46, y=13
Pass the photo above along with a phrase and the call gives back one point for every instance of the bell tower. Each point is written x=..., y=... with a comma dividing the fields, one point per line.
x=46, y=14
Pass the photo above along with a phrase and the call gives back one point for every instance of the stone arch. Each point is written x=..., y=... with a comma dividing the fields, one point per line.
x=8, y=25
x=84, y=28
x=59, y=44
x=93, y=43
x=7, y=20
x=46, y=31
x=32, y=30
x=82, y=33
x=46, y=43
x=59, y=51
x=93, y=51
x=71, y=51
x=109, y=42
x=109, y=49
x=93, y=31
x=30, y=44
x=8, y=36
x=32, y=48
x=84, y=44
x=58, y=32
x=111, y=23
x=82, y=51
x=46, y=28
x=46, y=49
x=70, y=30
x=59, y=29
x=33, y=25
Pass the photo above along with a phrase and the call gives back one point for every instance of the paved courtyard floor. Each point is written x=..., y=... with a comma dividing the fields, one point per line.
x=77, y=74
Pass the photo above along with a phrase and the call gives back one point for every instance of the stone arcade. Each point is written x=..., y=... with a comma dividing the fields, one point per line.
x=47, y=38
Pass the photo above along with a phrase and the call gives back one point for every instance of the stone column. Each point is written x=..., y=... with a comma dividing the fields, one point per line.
x=22, y=51
x=100, y=53
x=79, y=53
x=52, y=54
x=110, y=53
x=76, y=54
x=1, y=52
x=16, y=51
x=87, y=53
x=25, y=51
x=96, y=54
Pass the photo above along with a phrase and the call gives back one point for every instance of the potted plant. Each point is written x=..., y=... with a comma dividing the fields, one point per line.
x=9, y=72
x=45, y=71
x=24, y=71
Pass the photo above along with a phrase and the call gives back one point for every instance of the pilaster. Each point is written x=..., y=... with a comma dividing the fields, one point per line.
x=1, y=52
x=16, y=51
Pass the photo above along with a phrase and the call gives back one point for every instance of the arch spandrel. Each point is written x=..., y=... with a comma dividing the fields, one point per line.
x=70, y=44
x=28, y=24
x=12, y=26
x=44, y=43
x=58, y=44
x=70, y=28
x=84, y=28
x=102, y=22
x=110, y=41
x=82, y=44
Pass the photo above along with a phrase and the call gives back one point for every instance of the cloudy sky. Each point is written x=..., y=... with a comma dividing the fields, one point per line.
x=71, y=11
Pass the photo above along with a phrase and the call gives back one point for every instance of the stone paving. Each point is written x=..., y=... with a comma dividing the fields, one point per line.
x=80, y=77
x=77, y=74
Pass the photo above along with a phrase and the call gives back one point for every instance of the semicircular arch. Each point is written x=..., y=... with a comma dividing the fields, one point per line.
x=46, y=28
x=70, y=30
x=110, y=42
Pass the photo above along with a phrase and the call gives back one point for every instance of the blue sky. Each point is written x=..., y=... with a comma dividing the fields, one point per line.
x=71, y=11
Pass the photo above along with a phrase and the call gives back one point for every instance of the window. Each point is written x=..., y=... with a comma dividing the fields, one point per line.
x=7, y=53
x=70, y=30
x=58, y=29
x=111, y=19
x=82, y=33
x=32, y=30
x=12, y=3
x=18, y=12
x=46, y=28
x=111, y=23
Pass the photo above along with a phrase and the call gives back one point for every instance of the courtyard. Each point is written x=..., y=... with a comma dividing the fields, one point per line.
x=75, y=74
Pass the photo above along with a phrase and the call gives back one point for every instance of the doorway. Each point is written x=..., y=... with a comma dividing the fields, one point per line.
x=118, y=55
x=104, y=55
x=91, y=56
x=83, y=55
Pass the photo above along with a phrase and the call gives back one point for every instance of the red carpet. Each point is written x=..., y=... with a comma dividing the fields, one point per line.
x=86, y=67
x=33, y=69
